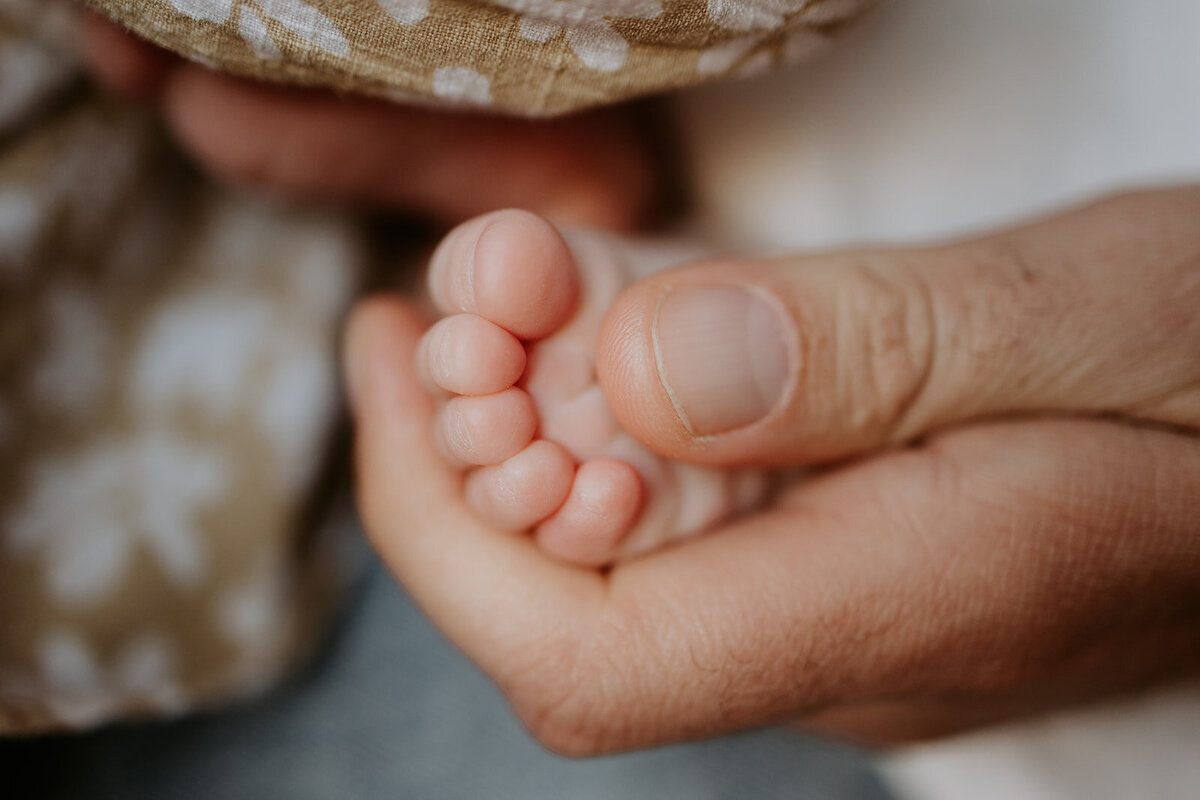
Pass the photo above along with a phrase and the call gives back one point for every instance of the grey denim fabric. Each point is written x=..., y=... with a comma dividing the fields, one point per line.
x=393, y=710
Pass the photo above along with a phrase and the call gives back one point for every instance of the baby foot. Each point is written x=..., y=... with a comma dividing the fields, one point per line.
x=523, y=414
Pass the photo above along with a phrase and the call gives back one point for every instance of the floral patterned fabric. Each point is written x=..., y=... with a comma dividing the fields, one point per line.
x=529, y=57
x=167, y=395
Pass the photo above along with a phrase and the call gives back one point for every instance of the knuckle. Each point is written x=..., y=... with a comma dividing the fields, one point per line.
x=885, y=347
x=976, y=305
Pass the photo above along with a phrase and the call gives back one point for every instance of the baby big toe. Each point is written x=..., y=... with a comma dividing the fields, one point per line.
x=511, y=267
x=603, y=504
x=486, y=430
x=467, y=354
x=522, y=491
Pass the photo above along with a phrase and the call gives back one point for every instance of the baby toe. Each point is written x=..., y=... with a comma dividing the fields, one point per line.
x=511, y=267
x=489, y=429
x=466, y=354
x=603, y=504
x=525, y=278
x=522, y=491
x=452, y=267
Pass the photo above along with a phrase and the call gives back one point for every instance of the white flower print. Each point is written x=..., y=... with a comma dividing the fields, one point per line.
x=463, y=85
x=70, y=374
x=219, y=352
x=86, y=512
x=300, y=18
x=406, y=12
x=307, y=23
x=201, y=350
x=257, y=616
x=256, y=609
x=586, y=25
x=829, y=11
x=216, y=11
x=753, y=15
x=254, y=344
x=254, y=31
x=80, y=691
x=799, y=45
x=770, y=15
x=295, y=400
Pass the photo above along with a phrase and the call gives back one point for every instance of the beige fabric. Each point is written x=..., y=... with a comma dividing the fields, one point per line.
x=531, y=57
x=167, y=395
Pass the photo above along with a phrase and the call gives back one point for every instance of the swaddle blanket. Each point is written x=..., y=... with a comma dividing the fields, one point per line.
x=167, y=396
x=528, y=57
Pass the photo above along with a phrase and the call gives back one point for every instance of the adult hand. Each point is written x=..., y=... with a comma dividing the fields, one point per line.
x=595, y=168
x=999, y=566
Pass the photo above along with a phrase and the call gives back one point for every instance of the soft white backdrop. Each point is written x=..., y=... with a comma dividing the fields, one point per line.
x=935, y=117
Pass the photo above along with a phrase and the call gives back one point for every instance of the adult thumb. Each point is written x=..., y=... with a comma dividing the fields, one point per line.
x=813, y=358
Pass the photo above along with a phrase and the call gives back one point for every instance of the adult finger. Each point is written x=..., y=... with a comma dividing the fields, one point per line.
x=807, y=359
x=588, y=169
